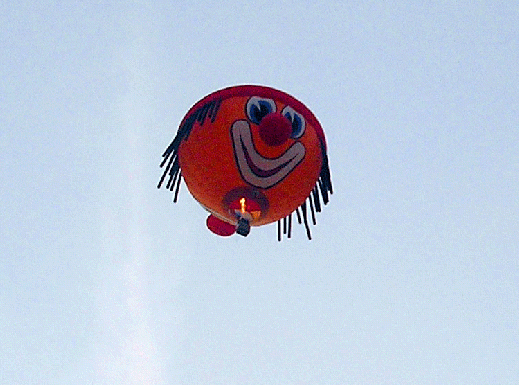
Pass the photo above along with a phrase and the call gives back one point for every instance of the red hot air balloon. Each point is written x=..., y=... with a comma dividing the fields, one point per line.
x=250, y=155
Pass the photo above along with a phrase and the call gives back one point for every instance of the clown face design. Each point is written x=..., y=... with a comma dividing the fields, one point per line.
x=249, y=153
x=274, y=129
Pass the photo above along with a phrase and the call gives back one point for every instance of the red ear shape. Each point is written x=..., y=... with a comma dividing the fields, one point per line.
x=220, y=227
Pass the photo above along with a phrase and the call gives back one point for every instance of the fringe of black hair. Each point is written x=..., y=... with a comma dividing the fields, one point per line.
x=323, y=187
x=208, y=110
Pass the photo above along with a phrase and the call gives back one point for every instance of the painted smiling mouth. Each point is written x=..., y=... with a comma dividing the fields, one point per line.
x=254, y=168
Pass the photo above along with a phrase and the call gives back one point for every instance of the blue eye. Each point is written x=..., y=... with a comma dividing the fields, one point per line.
x=258, y=108
x=297, y=120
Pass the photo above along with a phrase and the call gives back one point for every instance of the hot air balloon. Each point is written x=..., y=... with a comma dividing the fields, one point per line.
x=250, y=155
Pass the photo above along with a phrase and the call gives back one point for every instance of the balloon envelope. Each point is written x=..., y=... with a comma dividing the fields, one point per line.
x=250, y=155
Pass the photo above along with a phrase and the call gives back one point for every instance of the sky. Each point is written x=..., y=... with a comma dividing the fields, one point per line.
x=412, y=275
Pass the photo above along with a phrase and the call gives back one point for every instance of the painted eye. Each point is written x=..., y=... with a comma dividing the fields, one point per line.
x=297, y=120
x=258, y=108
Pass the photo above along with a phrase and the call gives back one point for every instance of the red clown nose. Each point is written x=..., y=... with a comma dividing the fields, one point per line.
x=275, y=129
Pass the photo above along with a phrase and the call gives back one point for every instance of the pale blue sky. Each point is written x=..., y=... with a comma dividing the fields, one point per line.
x=413, y=273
